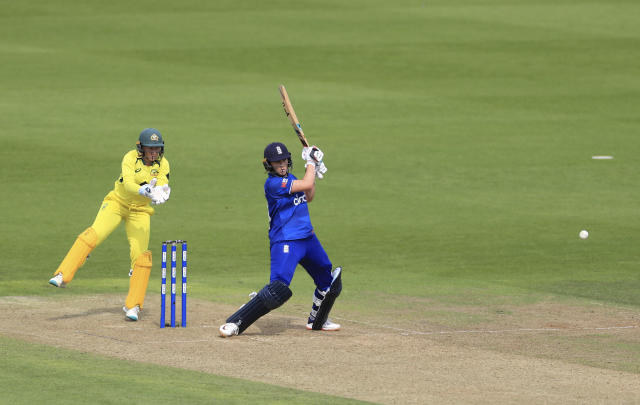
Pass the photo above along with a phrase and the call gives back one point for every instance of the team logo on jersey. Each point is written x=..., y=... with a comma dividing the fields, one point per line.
x=138, y=169
x=154, y=172
x=154, y=137
x=285, y=249
x=284, y=183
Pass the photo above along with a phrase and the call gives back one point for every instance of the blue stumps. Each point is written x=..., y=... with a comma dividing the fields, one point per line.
x=163, y=290
x=173, y=285
x=184, y=284
x=163, y=286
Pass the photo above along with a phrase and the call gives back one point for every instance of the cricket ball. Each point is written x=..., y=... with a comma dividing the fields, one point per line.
x=584, y=234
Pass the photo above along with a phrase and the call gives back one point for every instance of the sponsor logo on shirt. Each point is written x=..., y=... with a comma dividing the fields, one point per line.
x=299, y=200
x=138, y=169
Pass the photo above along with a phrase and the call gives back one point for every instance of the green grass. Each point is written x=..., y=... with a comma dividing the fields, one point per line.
x=71, y=377
x=458, y=137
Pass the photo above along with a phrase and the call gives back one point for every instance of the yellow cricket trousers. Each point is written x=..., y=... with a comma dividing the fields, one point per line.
x=112, y=212
x=137, y=225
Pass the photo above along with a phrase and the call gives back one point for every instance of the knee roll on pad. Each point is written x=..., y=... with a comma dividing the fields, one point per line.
x=275, y=294
x=327, y=302
x=270, y=297
x=77, y=255
x=144, y=260
x=90, y=237
x=139, y=280
x=336, y=286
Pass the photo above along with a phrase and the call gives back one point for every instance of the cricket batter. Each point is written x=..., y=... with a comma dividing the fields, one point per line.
x=292, y=242
x=144, y=180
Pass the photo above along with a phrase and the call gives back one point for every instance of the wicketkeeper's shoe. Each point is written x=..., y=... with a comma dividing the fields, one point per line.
x=228, y=330
x=57, y=281
x=132, y=313
x=327, y=326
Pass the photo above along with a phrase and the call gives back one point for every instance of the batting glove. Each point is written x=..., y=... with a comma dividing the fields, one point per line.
x=321, y=169
x=306, y=156
x=312, y=153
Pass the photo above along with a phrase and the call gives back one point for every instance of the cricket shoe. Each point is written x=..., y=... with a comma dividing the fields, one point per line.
x=133, y=313
x=229, y=329
x=57, y=281
x=327, y=326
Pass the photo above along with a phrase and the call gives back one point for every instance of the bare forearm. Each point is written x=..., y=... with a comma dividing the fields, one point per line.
x=310, y=193
x=307, y=183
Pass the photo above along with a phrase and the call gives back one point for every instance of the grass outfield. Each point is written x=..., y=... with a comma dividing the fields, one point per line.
x=458, y=138
x=107, y=381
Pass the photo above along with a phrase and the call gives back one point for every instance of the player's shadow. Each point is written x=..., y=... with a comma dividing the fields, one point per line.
x=91, y=312
x=273, y=326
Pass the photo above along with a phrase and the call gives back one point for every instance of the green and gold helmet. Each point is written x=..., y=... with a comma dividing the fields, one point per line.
x=150, y=137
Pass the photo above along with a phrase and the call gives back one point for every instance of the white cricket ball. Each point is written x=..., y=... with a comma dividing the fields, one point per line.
x=583, y=234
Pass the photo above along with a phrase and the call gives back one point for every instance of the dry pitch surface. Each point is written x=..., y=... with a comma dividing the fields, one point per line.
x=533, y=354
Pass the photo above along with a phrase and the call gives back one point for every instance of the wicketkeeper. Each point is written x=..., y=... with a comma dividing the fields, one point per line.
x=292, y=242
x=144, y=180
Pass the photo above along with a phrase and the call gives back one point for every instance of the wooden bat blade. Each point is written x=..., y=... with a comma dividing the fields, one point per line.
x=291, y=115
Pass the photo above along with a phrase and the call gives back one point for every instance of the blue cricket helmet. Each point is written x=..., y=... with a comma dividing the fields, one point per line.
x=274, y=152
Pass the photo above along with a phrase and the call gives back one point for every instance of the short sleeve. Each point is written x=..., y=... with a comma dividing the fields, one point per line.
x=279, y=186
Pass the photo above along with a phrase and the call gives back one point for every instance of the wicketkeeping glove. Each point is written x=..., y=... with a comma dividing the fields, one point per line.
x=167, y=191
x=146, y=190
x=160, y=194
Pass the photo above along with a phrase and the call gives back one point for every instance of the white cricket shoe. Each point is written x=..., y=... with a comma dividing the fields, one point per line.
x=328, y=326
x=57, y=281
x=133, y=313
x=229, y=329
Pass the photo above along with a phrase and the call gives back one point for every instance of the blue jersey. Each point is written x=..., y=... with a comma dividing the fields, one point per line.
x=288, y=213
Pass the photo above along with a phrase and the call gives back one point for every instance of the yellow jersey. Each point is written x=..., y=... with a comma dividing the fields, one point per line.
x=135, y=174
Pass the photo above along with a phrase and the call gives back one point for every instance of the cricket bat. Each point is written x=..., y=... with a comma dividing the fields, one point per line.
x=291, y=114
x=295, y=123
